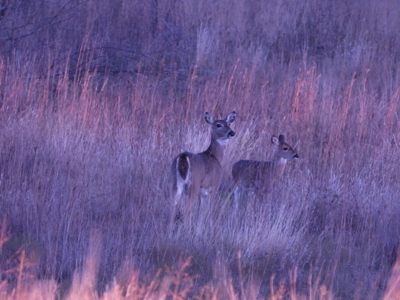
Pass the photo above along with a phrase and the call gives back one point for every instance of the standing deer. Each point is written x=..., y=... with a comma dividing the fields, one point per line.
x=199, y=175
x=261, y=176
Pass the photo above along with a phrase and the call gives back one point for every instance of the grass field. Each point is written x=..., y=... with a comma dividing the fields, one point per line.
x=98, y=97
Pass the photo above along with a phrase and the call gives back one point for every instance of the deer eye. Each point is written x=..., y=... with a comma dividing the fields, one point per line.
x=219, y=125
x=285, y=148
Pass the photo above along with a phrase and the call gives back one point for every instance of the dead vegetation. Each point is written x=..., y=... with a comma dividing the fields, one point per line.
x=98, y=97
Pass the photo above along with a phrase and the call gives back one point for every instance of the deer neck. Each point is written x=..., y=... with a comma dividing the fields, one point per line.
x=216, y=149
x=279, y=166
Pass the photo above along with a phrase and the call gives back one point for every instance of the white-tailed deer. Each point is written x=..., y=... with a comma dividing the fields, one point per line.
x=260, y=176
x=199, y=175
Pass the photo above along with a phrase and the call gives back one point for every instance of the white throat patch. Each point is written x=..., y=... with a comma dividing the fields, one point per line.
x=223, y=142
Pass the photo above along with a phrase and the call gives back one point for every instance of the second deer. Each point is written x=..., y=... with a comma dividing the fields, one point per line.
x=260, y=176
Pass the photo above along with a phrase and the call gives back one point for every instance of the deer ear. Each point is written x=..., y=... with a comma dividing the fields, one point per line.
x=231, y=117
x=274, y=140
x=281, y=138
x=209, y=118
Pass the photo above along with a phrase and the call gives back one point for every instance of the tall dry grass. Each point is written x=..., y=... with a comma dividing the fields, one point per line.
x=97, y=97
